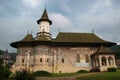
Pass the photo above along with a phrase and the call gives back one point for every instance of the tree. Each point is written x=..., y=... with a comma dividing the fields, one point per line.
x=1, y=52
x=4, y=71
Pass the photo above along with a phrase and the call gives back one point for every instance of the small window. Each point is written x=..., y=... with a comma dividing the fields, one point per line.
x=78, y=58
x=40, y=59
x=87, y=58
x=47, y=59
x=63, y=60
x=22, y=60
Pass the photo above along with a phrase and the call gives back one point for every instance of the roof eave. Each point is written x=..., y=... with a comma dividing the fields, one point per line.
x=50, y=22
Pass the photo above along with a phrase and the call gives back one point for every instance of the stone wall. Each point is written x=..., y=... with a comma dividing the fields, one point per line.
x=54, y=59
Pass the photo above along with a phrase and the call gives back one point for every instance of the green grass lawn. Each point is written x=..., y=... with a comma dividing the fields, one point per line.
x=102, y=76
x=68, y=74
x=64, y=74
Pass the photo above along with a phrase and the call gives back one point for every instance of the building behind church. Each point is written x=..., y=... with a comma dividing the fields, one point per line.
x=6, y=57
x=67, y=53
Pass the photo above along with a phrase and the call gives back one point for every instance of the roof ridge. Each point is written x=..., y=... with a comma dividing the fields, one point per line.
x=76, y=32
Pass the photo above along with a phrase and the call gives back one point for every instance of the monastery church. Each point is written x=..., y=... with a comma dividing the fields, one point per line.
x=67, y=53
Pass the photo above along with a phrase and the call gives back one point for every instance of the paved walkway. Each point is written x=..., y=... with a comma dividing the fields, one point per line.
x=66, y=77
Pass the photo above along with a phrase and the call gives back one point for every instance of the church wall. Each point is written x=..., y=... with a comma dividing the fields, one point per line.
x=54, y=59
x=69, y=54
x=23, y=59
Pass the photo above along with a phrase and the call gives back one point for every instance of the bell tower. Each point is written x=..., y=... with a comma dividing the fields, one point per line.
x=44, y=26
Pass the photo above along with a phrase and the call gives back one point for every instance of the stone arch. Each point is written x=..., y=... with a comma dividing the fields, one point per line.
x=110, y=60
x=104, y=62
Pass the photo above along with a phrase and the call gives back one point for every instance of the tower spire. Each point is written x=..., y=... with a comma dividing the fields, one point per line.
x=44, y=26
x=44, y=17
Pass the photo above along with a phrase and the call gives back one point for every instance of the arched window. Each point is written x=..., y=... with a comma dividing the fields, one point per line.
x=40, y=59
x=110, y=60
x=104, y=61
x=87, y=58
x=78, y=58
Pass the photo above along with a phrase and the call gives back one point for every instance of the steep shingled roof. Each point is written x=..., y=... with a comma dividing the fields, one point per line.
x=44, y=17
x=64, y=38
x=79, y=37
x=27, y=38
x=104, y=50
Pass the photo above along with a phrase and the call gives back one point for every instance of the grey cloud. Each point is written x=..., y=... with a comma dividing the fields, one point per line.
x=17, y=15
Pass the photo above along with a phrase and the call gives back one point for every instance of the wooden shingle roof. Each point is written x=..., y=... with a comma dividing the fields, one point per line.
x=79, y=37
x=27, y=38
x=44, y=17
x=65, y=39
x=104, y=50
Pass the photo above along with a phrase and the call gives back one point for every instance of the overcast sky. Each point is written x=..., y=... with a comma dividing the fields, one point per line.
x=19, y=16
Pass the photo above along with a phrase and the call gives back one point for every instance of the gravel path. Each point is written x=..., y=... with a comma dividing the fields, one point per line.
x=64, y=78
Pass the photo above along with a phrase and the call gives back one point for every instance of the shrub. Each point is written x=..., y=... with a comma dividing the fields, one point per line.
x=23, y=75
x=82, y=71
x=41, y=73
x=112, y=69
